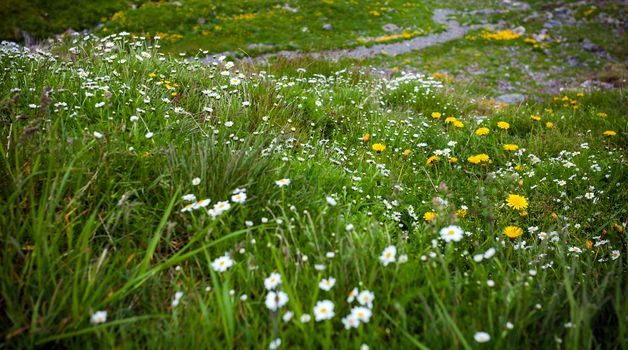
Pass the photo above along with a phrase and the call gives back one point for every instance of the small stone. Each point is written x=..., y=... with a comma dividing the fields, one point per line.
x=511, y=98
x=390, y=28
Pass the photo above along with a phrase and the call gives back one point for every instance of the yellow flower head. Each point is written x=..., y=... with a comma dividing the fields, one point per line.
x=602, y=114
x=431, y=160
x=407, y=152
x=379, y=147
x=429, y=216
x=461, y=213
x=458, y=124
x=610, y=133
x=536, y=118
x=517, y=202
x=453, y=160
x=366, y=137
x=482, y=131
x=450, y=119
x=549, y=125
x=479, y=158
x=513, y=231
x=503, y=125
x=510, y=147
x=436, y=115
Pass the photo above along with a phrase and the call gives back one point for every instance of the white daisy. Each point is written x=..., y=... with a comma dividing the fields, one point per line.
x=451, y=233
x=324, y=310
x=388, y=255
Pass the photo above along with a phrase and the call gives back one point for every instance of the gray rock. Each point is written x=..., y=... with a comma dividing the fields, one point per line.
x=390, y=28
x=511, y=98
x=551, y=24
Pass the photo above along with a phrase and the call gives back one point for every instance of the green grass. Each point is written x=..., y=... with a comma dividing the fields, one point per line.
x=247, y=27
x=95, y=223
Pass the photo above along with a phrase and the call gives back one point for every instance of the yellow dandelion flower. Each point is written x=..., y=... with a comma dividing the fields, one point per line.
x=461, y=213
x=549, y=125
x=513, y=231
x=602, y=114
x=436, y=115
x=520, y=167
x=479, y=158
x=429, y=216
x=517, y=202
x=453, y=160
x=379, y=147
x=431, y=160
x=482, y=131
x=407, y=152
x=536, y=118
x=458, y=124
x=503, y=125
x=366, y=137
x=609, y=133
x=450, y=120
x=510, y=147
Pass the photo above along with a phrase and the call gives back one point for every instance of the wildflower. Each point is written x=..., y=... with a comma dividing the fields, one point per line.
x=513, y=231
x=366, y=298
x=273, y=281
x=429, y=216
x=349, y=227
x=432, y=159
x=177, y=298
x=222, y=264
x=517, y=202
x=305, y=318
x=98, y=135
x=361, y=313
x=366, y=137
x=327, y=283
x=99, y=317
x=482, y=131
x=510, y=147
x=610, y=133
x=220, y=208
x=453, y=160
x=458, y=124
x=275, y=300
x=149, y=135
x=350, y=321
x=536, y=118
x=549, y=125
x=449, y=120
x=615, y=254
x=379, y=147
x=602, y=114
x=479, y=158
x=331, y=201
x=388, y=255
x=234, y=81
x=461, y=213
x=282, y=182
x=324, y=310
x=196, y=181
x=352, y=295
x=589, y=195
x=451, y=233
x=275, y=344
x=436, y=115
x=407, y=152
x=481, y=337
x=239, y=198
x=503, y=125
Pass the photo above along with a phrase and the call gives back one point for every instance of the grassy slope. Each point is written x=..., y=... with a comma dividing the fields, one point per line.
x=216, y=26
x=95, y=223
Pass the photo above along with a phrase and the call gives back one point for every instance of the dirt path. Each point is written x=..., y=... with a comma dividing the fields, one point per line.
x=453, y=30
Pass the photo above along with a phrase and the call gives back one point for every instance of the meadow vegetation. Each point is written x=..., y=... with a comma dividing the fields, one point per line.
x=155, y=201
